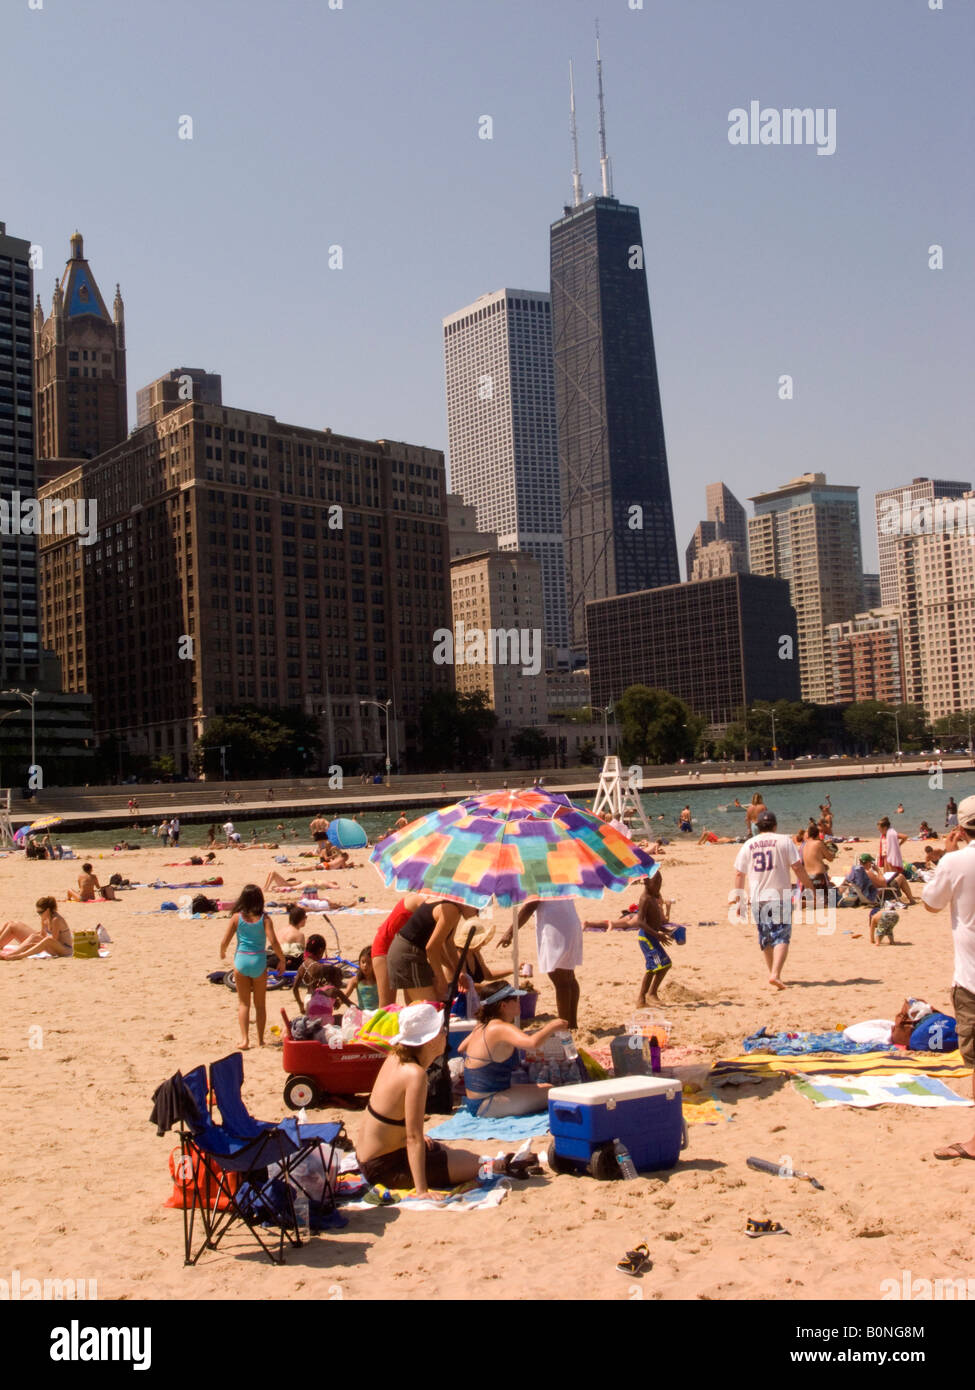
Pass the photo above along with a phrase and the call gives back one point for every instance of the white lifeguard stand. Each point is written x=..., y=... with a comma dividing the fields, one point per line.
x=6, y=828
x=619, y=795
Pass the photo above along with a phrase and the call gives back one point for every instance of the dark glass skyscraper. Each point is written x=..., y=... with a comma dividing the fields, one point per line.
x=618, y=522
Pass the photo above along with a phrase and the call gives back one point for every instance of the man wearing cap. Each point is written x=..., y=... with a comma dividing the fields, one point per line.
x=767, y=860
x=953, y=886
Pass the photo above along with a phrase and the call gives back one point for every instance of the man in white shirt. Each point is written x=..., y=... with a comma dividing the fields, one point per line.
x=768, y=861
x=953, y=885
x=558, y=935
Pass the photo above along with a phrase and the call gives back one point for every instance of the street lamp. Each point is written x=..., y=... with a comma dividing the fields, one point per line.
x=30, y=700
x=892, y=713
x=771, y=713
x=387, y=707
x=607, y=711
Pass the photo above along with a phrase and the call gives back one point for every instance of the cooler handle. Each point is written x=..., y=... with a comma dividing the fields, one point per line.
x=684, y=1135
x=570, y=1114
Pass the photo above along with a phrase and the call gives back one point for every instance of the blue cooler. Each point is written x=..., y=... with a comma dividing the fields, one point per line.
x=458, y=1029
x=645, y=1112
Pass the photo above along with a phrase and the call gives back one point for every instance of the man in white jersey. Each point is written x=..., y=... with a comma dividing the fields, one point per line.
x=953, y=885
x=767, y=861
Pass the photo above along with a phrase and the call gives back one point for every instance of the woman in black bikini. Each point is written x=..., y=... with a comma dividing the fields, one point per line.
x=391, y=1146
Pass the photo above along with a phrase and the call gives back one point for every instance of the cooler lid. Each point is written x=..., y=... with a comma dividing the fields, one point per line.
x=615, y=1088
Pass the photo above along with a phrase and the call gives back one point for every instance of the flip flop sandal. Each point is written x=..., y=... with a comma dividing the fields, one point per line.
x=764, y=1228
x=954, y=1151
x=636, y=1262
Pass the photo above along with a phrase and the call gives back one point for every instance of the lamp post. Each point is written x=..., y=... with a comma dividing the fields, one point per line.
x=30, y=700
x=771, y=713
x=892, y=713
x=383, y=706
x=607, y=711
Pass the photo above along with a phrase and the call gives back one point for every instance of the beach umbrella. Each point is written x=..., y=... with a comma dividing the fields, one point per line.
x=24, y=830
x=45, y=822
x=509, y=847
x=347, y=834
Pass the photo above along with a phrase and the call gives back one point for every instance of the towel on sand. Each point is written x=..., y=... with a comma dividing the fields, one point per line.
x=463, y=1125
x=902, y=1088
x=355, y=1194
x=798, y=1044
x=764, y=1065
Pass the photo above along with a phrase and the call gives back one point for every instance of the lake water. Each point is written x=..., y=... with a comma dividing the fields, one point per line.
x=858, y=803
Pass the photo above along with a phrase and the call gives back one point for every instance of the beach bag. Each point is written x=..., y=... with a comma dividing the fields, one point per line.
x=183, y=1170
x=440, y=1091
x=378, y=1028
x=900, y=1035
x=201, y=903
x=936, y=1033
x=85, y=945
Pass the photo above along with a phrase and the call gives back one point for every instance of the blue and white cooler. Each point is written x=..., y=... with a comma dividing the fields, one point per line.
x=644, y=1112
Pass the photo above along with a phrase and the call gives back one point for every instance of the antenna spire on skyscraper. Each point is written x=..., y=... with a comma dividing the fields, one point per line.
x=576, y=175
x=605, y=164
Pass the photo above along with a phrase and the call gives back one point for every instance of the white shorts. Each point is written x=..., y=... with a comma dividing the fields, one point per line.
x=559, y=947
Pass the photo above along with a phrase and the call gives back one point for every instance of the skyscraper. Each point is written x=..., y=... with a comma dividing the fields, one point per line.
x=79, y=353
x=726, y=522
x=808, y=532
x=501, y=431
x=618, y=524
x=19, y=627
x=919, y=490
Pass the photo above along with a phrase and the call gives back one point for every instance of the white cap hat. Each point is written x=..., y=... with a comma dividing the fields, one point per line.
x=418, y=1024
x=966, y=812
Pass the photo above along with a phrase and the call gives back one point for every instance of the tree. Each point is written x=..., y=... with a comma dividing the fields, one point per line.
x=259, y=743
x=163, y=766
x=455, y=729
x=870, y=724
x=587, y=751
x=531, y=745
x=656, y=726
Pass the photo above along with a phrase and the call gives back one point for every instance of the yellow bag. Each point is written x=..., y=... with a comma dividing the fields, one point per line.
x=85, y=945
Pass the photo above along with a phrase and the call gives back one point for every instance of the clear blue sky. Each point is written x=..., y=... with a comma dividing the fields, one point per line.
x=358, y=126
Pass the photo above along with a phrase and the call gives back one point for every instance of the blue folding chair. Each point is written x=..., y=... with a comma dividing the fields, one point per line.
x=211, y=1152
x=226, y=1083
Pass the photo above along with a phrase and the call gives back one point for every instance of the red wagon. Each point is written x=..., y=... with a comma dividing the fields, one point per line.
x=316, y=1071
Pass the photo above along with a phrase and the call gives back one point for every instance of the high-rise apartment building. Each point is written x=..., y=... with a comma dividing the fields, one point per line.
x=501, y=430
x=175, y=388
x=726, y=521
x=79, y=352
x=498, y=593
x=718, y=558
x=617, y=515
x=243, y=561
x=936, y=598
x=808, y=532
x=715, y=644
x=866, y=658
x=19, y=618
x=911, y=498
x=462, y=528
x=871, y=592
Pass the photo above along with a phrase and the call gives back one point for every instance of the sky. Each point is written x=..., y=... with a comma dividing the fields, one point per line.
x=357, y=126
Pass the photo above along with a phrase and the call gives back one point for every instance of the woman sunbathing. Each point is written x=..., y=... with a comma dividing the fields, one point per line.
x=291, y=885
x=52, y=935
x=88, y=886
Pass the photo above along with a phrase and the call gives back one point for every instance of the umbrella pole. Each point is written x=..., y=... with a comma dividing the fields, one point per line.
x=514, y=944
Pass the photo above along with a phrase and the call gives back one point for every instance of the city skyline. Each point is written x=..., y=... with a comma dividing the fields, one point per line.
x=815, y=268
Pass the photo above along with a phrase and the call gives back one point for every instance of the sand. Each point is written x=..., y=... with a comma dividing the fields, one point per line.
x=83, y=1175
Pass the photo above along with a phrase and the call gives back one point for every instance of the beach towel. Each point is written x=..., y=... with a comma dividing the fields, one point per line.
x=798, y=1044
x=471, y=1196
x=765, y=1065
x=700, y=1108
x=900, y=1088
x=463, y=1125
x=203, y=883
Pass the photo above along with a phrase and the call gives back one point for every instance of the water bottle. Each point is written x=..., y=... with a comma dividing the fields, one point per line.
x=627, y=1166
x=654, y=1055
x=302, y=1214
x=564, y=1038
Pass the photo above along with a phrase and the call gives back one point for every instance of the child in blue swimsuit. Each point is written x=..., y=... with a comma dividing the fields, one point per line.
x=255, y=936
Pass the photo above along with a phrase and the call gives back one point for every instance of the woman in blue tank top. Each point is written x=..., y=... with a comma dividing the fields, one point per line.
x=255, y=937
x=491, y=1055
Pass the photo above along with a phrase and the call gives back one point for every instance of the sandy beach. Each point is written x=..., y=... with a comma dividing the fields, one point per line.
x=84, y=1176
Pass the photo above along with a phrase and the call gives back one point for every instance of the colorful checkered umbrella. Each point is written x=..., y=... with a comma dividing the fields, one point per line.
x=510, y=847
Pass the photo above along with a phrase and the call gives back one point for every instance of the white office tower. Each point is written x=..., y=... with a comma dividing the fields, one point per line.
x=504, y=456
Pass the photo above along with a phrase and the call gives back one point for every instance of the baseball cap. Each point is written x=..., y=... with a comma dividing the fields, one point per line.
x=866, y=858
x=966, y=812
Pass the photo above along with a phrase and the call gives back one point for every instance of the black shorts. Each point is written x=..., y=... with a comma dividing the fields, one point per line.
x=964, y=1004
x=393, y=1169
x=408, y=966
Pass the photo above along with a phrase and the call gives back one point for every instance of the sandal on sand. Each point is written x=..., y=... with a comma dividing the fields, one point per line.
x=636, y=1262
x=764, y=1228
x=953, y=1151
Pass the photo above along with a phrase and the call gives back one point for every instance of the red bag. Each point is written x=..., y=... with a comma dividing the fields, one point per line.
x=189, y=1171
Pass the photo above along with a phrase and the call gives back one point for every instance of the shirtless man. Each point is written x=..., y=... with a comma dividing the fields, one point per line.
x=319, y=829
x=88, y=886
x=816, y=857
